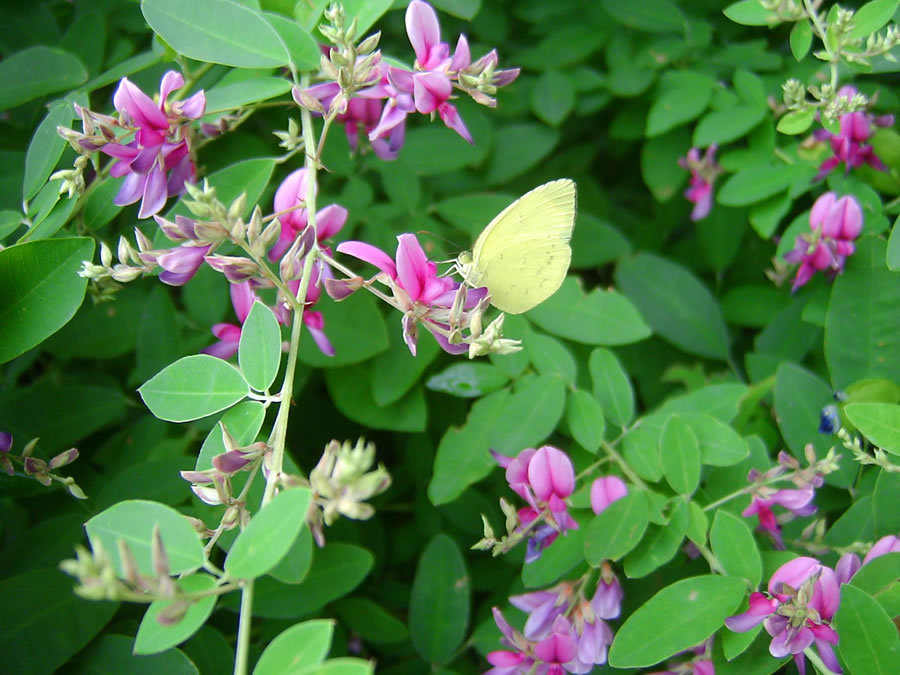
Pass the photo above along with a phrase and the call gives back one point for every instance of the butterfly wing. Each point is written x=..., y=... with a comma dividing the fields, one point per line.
x=523, y=255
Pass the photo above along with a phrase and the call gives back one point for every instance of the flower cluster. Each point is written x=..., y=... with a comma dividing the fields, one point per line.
x=426, y=89
x=835, y=224
x=153, y=153
x=445, y=308
x=797, y=501
x=42, y=471
x=704, y=172
x=564, y=632
x=849, y=144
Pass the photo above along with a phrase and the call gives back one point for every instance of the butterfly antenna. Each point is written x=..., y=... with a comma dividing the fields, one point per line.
x=452, y=243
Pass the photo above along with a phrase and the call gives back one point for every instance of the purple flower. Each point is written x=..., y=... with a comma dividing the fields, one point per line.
x=798, y=502
x=605, y=490
x=847, y=566
x=885, y=545
x=704, y=172
x=519, y=661
x=558, y=648
x=179, y=264
x=229, y=334
x=6, y=441
x=849, y=144
x=156, y=163
x=422, y=295
x=835, y=224
x=804, y=596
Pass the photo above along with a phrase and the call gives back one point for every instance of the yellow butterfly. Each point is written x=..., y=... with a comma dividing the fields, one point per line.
x=522, y=256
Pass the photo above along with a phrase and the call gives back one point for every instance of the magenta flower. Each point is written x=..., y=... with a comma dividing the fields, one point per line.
x=798, y=502
x=835, y=224
x=313, y=320
x=157, y=162
x=418, y=291
x=704, y=172
x=803, y=597
x=558, y=648
x=605, y=490
x=542, y=607
x=520, y=660
x=6, y=441
x=290, y=195
x=847, y=566
x=179, y=264
x=229, y=334
x=885, y=545
x=849, y=144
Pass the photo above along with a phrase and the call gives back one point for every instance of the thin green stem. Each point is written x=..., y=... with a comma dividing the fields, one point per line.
x=714, y=565
x=822, y=32
x=244, y=623
x=618, y=459
x=817, y=662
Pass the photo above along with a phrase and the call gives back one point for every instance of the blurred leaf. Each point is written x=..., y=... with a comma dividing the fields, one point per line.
x=266, y=540
x=154, y=479
x=342, y=326
x=676, y=618
x=154, y=637
x=217, y=31
x=45, y=148
x=562, y=47
x=300, y=45
x=468, y=379
x=880, y=578
x=113, y=654
x=351, y=392
x=38, y=71
x=683, y=97
x=472, y=212
x=596, y=242
x=296, y=563
x=801, y=41
x=660, y=544
x=799, y=399
x=304, y=644
x=518, y=148
x=99, y=209
x=751, y=13
x=599, y=317
x=434, y=150
x=878, y=422
x=440, y=599
x=585, y=417
x=720, y=444
x=157, y=338
x=733, y=544
x=462, y=9
x=549, y=356
x=675, y=303
x=40, y=290
x=765, y=216
x=855, y=524
x=884, y=503
x=679, y=454
x=659, y=163
x=872, y=17
x=133, y=521
x=648, y=15
x=371, y=621
x=396, y=371
x=529, y=416
x=869, y=644
x=193, y=387
x=611, y=386
x=641, y=451
x=237, y=94
x=51, y=623
x=617, y=530
x=724, y=126
x=552, y=97
x=366, y=13
x=862, y=334
x=749, y=186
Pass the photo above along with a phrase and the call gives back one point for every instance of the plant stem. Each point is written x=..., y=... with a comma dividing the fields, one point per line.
x=618, y=459
x=243, y=636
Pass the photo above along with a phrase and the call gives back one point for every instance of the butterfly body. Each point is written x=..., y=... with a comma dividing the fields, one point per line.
x=523, y=255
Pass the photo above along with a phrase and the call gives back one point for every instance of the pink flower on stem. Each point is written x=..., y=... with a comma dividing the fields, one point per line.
x=518, y=661
x=885, y=545
x=418, y=291
x=157, y=163
x=835, y=224
x=605, y=490
x=179, y=264
x=704, y=172
x=313, y=320
x=803, y=597
x=798, y=502
x=558, y=648
x=849, y=144
x=229, y=334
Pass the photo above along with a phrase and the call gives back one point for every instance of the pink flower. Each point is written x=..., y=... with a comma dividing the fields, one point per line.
x=835, y=224
x=703, y=174
x=519, y=661
x=804, y=596
x=605, y=490
x=848, y=145
x=885, y=545
x=157, y=163
x=229, y=334
x=422, y=295
x=179, y=264
x=558, y=648
x=798, y=502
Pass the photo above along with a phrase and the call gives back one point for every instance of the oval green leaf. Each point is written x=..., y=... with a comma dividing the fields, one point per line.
x=611, y=386
x=193, y=387
x=302, y=645
x=878, y=422
x=45, y=148
x=733, y=544
x=38, y=71
x=679, y=454
x=259, y=351
x=869, y=644
x=584, y=415
x=154, y=637
x=617, y=530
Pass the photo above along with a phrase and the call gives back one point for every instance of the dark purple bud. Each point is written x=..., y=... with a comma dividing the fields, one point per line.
x=63, y=458
x=6, y=441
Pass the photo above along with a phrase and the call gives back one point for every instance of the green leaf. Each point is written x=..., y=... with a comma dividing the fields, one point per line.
x=38, y=71
x=113, y=654
x=518, y=148
x=439, y=603
x=855, y=524
x=271, y=533
x=471, y=212
x=243, y=422
x=133, y=521
x=550, y=357
x=351, y=345
x=878, y=422
x=259, y=352
x=617, y=530
x=676, y=618
x=750, y=13
x=296, y=563
x=366, y=13
x=752, y=185
x=51, y=624
x=799, y=399
x=698, y=524
x=892, y=256
x=862, y=334
x=300, y=45
x=351, y=392
x=660, y=544
x=684, y=99
x=679, y=454
x=641, y=451
x=40, y=290
x=801, y=41
x=396, y=371
x=675, y=303
x=216, y=31
x=659, y=163
x=872, y=17
x=435, y=150
x=98, y=207
x=796, y=121
x=468, y=379
x=720, y=444
x=462, y=456
x=552, y=97
x=598, y=318
x=193, y=387
x=869, y=644
x=611, y=386
x=724, y=126
x=371, y=621
x=301, y=645
x=45, y=148
x=342, y=666
x=648, y=15
x=880, y=578
x=157, y=335
x=461, y=9
x=884, y=503
x=585, y=417
x=237, y=94
x=529, y=416
x=154, y=637
x=556, y=561
x=733, y=544
x=9, y=222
